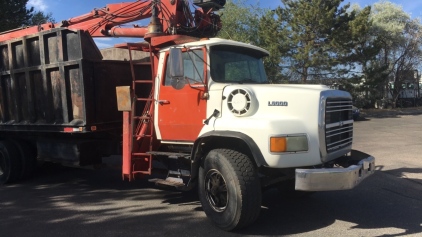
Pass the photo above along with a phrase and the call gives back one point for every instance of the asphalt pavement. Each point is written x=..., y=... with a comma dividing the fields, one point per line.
x=61, y=201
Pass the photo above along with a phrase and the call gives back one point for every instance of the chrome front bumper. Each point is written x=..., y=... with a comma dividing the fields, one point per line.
x=328, y=179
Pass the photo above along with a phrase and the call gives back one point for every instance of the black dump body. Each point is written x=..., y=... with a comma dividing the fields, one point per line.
x=57, y=79
x=57, y=94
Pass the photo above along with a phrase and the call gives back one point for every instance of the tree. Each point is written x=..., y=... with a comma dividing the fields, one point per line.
x=400, y=40
x=272, y=38
x=13, y=14
x=318, y=37
x=363, y=48
x=240, y=21
x=40, y=18
x=243, y=22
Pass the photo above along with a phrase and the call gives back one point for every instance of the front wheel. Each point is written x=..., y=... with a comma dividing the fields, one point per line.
x=229, y=189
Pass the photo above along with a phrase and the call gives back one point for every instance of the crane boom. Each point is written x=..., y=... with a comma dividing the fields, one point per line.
x=168, y=17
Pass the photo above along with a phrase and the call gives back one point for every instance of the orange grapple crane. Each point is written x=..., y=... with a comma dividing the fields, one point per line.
x=171, y=22
x=168, y=17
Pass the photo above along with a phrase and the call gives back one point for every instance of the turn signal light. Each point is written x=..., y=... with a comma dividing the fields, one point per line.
x=278, y=144
x=291, y=143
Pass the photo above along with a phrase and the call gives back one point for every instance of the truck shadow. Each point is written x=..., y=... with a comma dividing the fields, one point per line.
x=78, y=202
x=97, y=202
x=386, y=203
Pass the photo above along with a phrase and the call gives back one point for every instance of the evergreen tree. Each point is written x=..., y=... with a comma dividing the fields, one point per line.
x=272, y=38
x=366, y=73
x=243, y=22
x=240, y=21
x=316, y=34
x=13, y=14
x=40, y=18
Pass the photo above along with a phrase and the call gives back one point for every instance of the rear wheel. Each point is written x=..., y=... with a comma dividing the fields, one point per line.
x=10, y=165
x=27, y=158
x=229, y=189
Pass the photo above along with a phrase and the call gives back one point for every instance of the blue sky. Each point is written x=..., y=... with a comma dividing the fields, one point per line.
x=65, y=9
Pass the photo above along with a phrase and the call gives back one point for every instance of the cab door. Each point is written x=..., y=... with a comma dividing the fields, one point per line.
x=181, y=104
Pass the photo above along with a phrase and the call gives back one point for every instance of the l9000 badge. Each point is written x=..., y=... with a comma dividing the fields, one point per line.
x=278, y=103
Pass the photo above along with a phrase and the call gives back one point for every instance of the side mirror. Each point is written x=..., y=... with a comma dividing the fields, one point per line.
x=176, y=68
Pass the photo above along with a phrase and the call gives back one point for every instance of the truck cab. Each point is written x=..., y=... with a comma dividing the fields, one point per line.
x=224, y=90
x=214, y=98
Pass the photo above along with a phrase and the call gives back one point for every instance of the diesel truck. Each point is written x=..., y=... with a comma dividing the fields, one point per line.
x=199, y=106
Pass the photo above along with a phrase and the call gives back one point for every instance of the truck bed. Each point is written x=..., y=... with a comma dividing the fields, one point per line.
x=56, y=80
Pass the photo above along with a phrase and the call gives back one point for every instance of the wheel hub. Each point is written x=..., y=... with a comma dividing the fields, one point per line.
x=216, y=190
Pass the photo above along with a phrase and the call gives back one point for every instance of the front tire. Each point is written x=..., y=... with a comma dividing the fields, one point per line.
x=229, y=189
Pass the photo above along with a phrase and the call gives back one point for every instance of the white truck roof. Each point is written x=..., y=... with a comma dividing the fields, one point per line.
x=219, y=41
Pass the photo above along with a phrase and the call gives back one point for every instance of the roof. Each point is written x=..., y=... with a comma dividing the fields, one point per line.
x=219, y=41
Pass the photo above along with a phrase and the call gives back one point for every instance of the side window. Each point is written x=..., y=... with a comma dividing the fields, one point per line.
x=193, y=63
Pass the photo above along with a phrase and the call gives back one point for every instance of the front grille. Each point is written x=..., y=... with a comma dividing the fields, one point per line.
x=338, y=124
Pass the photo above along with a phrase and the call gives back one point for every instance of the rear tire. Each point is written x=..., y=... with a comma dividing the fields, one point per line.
x=229, y=189
x=28, y=159
x=10, y=164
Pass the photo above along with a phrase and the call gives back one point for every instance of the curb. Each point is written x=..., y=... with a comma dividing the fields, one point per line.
x=389, y=113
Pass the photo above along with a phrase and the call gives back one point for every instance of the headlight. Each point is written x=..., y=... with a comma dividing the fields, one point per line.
x=292, y=143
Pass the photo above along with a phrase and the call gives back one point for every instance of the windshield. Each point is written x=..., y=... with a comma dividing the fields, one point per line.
x=231, y=64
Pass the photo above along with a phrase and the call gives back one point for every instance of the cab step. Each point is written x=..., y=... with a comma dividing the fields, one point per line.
x=171, y=155
x=179, y=179
x=169, y=182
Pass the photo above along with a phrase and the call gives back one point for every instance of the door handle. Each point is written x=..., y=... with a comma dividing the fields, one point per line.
x=163, y=102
